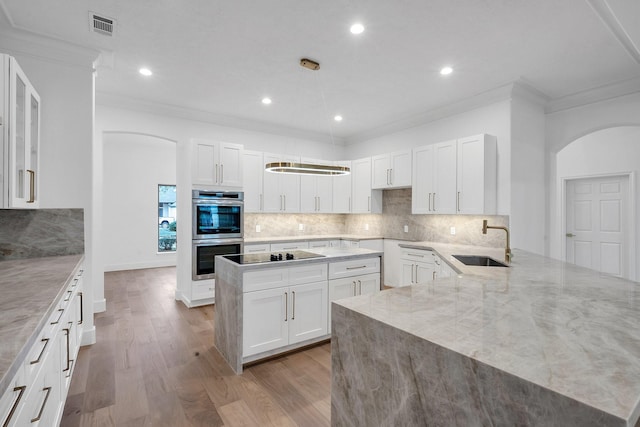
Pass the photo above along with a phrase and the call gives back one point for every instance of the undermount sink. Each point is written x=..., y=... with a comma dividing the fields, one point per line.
x=479, y=260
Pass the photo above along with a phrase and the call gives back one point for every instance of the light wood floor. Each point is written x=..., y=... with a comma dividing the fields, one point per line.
x=154, y=364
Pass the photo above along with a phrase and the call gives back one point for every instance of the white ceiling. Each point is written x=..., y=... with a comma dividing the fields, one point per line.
x=222, y=57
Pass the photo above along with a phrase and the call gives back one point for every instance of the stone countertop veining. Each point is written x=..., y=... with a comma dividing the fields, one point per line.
x=30, y=289
x=281, y=239
x=562, y=327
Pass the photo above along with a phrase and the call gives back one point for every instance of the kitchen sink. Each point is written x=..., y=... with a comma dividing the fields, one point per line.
x=479, y=260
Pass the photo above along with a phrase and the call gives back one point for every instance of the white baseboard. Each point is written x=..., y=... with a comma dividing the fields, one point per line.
x=197, y=303
x=88, y=336
x=100, y=306
x=140, y=265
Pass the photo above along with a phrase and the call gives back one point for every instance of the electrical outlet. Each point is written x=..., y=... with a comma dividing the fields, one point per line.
x=406, y=228
x=300, y=227
x=366, y=226
x=453, y=231
x=258, y=228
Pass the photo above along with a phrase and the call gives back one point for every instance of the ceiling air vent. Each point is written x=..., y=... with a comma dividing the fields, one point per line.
x=101, y=25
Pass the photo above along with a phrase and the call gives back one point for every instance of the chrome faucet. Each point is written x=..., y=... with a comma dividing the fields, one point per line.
x=507, y=250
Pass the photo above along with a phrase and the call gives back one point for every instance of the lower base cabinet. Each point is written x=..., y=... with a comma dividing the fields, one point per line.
x=38, y=392
x=347, y=287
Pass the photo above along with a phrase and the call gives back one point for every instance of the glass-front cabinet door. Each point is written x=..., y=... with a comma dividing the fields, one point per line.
x=24, y=139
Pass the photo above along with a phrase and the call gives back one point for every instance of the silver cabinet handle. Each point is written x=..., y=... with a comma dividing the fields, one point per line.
x=221, y=174
x=44, y=403
x=260, y=205
x=217, y=172
x=434, y=275
x=368, y=203
x=286, y=306
x=61, y=311
x=67, y=332
x=429, y=202
x=390, y=176
x=354, y=288
x=284, y=198
x=32, y=186
x=434, y=202
x=418, y=255
x=21, y=390
x=81, y=309
x=68, y=296
x=359, y=287
x=46, y=342
x=458, y=202
x=356, y=268
x=293, y=310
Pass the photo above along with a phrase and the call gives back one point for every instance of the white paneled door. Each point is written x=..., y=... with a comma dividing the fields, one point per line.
x=597, y=224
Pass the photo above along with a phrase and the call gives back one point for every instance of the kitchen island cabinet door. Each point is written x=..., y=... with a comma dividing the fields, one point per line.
x=308, y=311
x=368, y=284
x=265, y=324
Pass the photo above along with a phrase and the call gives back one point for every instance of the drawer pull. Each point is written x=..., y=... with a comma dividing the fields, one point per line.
x=44, y=403
x=81, y=310
x=61, y=310
x=357, y=268
x=418, y=255
x=68, y=296
x=289, y=248
x=46, y=342
x=80, y=272
x=21, y=389
x=75, y=283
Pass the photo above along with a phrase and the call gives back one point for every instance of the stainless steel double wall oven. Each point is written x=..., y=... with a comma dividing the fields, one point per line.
x=217, y=221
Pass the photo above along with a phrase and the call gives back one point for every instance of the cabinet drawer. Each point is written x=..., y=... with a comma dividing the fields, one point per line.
x=257, y=248
x=319, y=244
x=308, y=273
x=289, y=246
x=354, y=267
x=265, y=279
x=203, y=289
x=418, y=255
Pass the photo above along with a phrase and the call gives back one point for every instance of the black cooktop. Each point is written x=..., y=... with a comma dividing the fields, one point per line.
x=271, y=257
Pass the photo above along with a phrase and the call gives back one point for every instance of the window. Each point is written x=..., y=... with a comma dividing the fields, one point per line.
x=167, y=218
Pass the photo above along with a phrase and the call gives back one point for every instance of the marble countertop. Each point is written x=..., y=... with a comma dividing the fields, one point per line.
x=566, y=328
x=30, y=289
x=280, y=239
x=328, y=255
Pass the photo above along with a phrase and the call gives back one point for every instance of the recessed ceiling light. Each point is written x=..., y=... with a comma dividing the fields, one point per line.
x=357, y=28
x=337, y=118
x=446, y=71
x=266, y=101
x=145, y=72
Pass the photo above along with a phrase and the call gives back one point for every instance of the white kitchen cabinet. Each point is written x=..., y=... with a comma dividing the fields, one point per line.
x=364, y=199
x=457, y=176
x=281, y=191
x=345, y=243
x=313, y=244
x=216, y=163
x=391, y=170
x=316, y=191
x=342, y=190
x=373, y=244
x=476, y=175
x=20, y=138
x=418, y=266
x=254, y=248
x=442, y=269
x=434, y=179
x=252, y=175
x=275, y=317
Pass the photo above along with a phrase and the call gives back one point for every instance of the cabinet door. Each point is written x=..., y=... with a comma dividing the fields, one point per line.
x=400, y=174
x=361, y=186
x=205, y=169
x=408, y=273
x=424, y=272
x=471, y=175
x=339, y=289
x=369, y=284
x=308, y=194
x=252, y=174
x=422, y=188
x=265, y=321
x=380, y=171
x=341, y=193
x=230, y=165
x=290, y=188
x=324, y=192
x=444, y=196
x=308, y=313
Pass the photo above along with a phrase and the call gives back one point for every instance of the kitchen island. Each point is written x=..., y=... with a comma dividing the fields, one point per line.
x=539, y=343
x=266, y=307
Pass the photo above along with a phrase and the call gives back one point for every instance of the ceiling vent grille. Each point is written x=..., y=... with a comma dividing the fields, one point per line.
x=101, y=25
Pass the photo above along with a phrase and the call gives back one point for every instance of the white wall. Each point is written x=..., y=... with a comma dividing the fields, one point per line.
x=493, y=119
x=609, y=151
x=134, y=165
x=63, y=76
x=566, y=126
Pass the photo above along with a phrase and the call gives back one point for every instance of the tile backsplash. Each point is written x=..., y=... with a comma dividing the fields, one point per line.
x=396, y=213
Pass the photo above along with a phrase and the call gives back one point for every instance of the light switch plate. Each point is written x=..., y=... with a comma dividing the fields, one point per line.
x=406, y=228
x=301, y=227
x=258, y=228
x=453, y=231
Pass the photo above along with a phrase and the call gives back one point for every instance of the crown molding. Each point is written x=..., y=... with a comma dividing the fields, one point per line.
x=590, y=96
x=144, y=106
x=608, y=17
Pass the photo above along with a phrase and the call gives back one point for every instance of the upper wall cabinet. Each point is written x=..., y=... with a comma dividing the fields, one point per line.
x=342, y=190
x=364, y=199
x=252, y=175
x=20, y=138
x=316, y=191
x=391, y=170
x=216, y=163
x=281, y=191
x=456, y=176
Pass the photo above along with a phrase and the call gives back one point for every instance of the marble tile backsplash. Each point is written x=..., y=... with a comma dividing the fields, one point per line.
x=396, y=213
x=32, y=233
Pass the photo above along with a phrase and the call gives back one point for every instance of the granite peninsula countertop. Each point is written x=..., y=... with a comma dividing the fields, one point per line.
x=30, y=289
x=565, y=328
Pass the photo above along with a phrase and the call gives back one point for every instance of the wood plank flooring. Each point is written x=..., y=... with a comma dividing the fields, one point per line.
x=154, y=364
